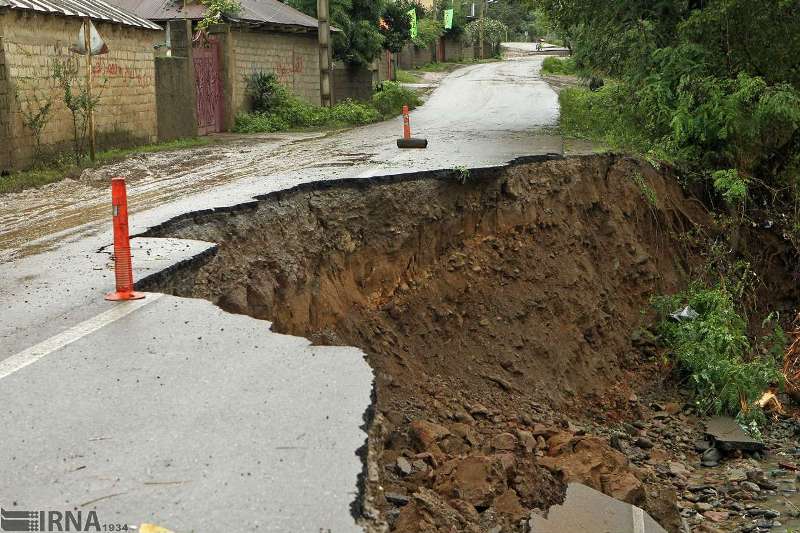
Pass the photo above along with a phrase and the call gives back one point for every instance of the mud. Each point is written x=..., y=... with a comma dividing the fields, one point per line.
x=497, y=308
x=520, y=108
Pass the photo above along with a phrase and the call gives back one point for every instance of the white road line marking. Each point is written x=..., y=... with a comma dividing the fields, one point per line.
x=37, y=351
x=638, y=520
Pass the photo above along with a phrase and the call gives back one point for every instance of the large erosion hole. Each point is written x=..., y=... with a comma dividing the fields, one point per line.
x=489, y=303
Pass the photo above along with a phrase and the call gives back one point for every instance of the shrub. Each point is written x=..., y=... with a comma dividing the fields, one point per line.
x=265, y=91
x=554, y=65
x=391, y=97
x=731, y=186
x=714, y=350
x=294, y=113
x=353, y=113
x=601, y=115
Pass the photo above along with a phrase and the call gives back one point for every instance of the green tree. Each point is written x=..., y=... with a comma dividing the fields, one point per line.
x=359, y=40
x=397, y=28
x=711, y=85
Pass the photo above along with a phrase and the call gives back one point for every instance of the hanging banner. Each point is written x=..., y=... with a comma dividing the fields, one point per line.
x=412, y=14
x=98, y=45
x=448, y=19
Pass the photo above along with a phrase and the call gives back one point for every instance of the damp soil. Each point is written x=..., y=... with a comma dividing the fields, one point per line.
x=500, y=309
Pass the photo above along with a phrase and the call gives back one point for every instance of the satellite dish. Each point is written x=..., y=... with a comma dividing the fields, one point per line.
x=98, y=45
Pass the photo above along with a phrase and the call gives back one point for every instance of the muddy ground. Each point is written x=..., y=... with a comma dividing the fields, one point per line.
x=505, y=314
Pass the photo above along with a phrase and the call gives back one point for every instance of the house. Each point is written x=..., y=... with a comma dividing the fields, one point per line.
x=265, y=35
x=35, y=38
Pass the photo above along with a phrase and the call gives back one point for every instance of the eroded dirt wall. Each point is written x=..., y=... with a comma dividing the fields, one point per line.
x=488, y=302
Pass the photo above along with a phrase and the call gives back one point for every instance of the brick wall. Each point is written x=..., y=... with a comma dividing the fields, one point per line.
x=293, y=57
x=124, y=79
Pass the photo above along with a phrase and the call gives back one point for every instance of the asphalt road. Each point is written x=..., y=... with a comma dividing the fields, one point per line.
x=169, y=410
x=480, y=115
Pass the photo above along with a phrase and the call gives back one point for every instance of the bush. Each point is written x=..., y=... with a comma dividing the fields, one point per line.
x=391, y=97
x=276, y=109
x=714, y=350
x=731, y=186
x=265, y=91
x=601, y=115
x=295, y=113
x=554, y=65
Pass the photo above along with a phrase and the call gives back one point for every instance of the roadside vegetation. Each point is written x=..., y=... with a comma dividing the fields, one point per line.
x=408, y=76
x=726, y=372
x=275, y=108
x=53, y=169
x=713, y=89
x=555, y=65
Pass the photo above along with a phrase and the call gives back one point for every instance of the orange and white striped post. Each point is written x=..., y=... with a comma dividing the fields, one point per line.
x=406, y=123
x=123, y=267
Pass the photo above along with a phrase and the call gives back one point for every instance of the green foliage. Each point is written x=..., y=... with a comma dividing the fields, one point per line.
x=35, y=109
x=706, y=85
x=602, y=115
x=518, y=16
x=216, y=10
x=77, y=99
x=429, y=31
x=359, y=41
x=264, y=90
x=494, y=31
x=404, y=76
x=293, y=113
x=648, y=192
x=715, y=352
x=731, y=186
x=554, y=65
x=391, y=97
x=397, y=29
x=276, y=109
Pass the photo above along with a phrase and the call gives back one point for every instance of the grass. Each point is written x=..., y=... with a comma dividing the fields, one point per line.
x=406, y=76
x=603, y=116
x=564, y=67
x=167, y=146
x=64, y=166
x=291, y=113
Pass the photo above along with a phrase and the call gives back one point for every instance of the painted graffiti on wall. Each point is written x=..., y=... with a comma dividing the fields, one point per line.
x=285, y=70
x=102, y=66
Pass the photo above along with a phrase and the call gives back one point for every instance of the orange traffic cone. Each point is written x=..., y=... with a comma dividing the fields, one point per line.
x=123, y=267
x=407, y=141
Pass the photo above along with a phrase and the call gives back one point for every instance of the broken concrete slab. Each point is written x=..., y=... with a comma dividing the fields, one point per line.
x=729, y=435
x=586, y=509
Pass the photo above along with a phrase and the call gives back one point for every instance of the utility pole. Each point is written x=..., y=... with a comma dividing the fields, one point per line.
x=87, y=41
x=323, y=16
x=483, y=27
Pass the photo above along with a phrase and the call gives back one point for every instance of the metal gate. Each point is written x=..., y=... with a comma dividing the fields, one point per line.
x=208, y=83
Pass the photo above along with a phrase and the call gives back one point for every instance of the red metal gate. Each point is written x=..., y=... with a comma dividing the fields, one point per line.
x=209, y=86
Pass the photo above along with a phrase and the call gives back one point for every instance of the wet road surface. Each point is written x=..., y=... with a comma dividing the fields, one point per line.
x=175, y=412
x=480, y=115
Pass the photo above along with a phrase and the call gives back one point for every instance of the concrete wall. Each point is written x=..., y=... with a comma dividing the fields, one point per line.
x=293, y=57
x=176, y=94
x=455, y=49
x=125, y=80
x=412, y=57
x=176, y=102
x=354, y=82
